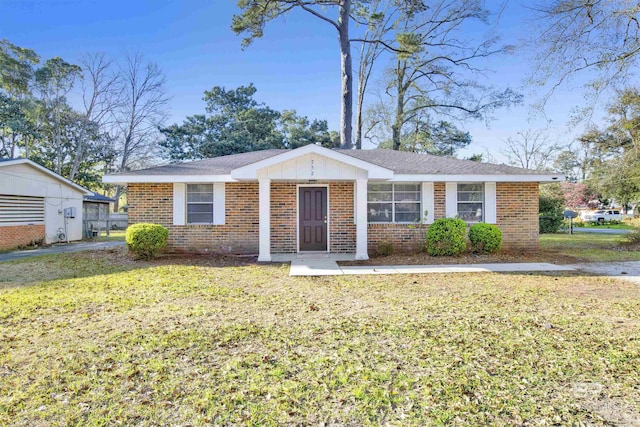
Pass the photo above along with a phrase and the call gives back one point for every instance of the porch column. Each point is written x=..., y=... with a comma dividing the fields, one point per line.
x=361, y=219
x=264, y=215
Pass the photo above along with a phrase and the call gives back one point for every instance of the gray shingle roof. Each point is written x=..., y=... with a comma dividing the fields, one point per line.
x=401, y=162
x=404, y=162
x=222, y=165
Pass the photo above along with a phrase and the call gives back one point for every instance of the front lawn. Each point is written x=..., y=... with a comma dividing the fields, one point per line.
x=589, y=247
x=95, y=339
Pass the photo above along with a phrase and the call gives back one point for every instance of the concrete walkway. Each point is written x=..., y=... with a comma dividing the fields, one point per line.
x=60, y=248
x=326, y=265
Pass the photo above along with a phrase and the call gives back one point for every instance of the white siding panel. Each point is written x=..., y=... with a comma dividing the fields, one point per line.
x=428, y=202
x=311, y=166
x=451, y=197
x=218, y=203
x=179, y=203
x=490, y=215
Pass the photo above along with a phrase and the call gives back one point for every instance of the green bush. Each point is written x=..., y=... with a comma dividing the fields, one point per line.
x=385, y=248
x=485, y=238
x=446, y=236
x=146, y=240
x=551, y=213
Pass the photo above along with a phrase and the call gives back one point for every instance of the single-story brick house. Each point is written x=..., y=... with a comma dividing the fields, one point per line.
x=339, y=201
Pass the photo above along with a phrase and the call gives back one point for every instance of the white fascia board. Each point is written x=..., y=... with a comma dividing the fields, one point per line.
x=163, y=179
x=251, y=171
x=478, y=178
x=48, y=172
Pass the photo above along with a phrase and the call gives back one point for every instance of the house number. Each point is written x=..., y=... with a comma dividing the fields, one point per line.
x=313, y=168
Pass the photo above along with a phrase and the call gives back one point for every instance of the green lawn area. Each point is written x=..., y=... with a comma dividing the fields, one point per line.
x=588, y=247
x=96, y=339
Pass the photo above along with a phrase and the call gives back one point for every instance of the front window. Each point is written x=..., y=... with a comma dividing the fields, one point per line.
x=393, y=203
x=199, y=203
x=471, y=202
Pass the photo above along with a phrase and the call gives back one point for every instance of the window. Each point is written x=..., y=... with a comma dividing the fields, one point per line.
x=471, y=202
x=199, y=203
x=393, y=203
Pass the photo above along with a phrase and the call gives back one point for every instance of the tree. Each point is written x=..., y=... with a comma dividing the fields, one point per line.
x=54, y=81
x=298, y=131
x=441, y=138
x=616, y=165
x=100, y=88
x=436, y=70
x=531, y=149
x=16, y=68
x=577, y=194
x=236, y=123
x=577, y=36
x=142, y=110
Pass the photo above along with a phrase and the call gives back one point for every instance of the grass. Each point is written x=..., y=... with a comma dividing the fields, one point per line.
x=114, y=235
x=588, y=247
x=605, y=226
x=92, y=340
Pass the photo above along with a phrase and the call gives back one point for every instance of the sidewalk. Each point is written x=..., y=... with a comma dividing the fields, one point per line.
x=60, y=248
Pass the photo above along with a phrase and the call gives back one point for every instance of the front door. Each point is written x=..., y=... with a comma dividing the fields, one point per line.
x=313, y=218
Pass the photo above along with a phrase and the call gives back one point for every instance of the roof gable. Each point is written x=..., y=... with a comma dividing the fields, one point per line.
x=306, y=162
x=48, y=172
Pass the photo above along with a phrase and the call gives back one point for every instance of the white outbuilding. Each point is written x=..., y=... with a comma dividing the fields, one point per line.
x=37, y=205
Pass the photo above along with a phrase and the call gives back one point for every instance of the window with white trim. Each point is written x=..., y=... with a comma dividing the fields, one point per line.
x=393, y=202
x=471, y=202
x=199, y=203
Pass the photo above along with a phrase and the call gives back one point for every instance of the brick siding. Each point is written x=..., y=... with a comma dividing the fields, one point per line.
x=517, y=215
x=20, y=235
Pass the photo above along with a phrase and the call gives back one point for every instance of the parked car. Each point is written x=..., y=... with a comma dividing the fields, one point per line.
x=603, y=215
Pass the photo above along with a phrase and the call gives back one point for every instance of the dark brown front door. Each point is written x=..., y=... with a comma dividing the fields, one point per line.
x=313, y=218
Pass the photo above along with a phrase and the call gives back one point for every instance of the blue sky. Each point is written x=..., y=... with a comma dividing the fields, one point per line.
x=294, y=66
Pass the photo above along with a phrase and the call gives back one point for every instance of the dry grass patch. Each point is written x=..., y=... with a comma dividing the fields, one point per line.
x=205, y=341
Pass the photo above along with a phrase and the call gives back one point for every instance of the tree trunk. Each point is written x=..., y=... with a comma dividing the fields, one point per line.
x=396, y=127
x=346, y=112
x=359, y=113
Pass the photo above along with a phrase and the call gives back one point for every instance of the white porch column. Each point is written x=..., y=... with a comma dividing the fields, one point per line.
x=361, y=219
x=264, y=214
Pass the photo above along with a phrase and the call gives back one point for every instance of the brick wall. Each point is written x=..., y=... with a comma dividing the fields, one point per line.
x=403, y=237
x=154, y=203
x=284, y=222
x=517, y=214
x=20, y=235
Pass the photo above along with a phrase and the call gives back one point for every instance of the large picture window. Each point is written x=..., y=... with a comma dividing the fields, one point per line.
x=199, y=203
x=393, y=202
x=471, y=202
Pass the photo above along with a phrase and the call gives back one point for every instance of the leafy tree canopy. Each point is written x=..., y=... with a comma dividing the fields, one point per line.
x=237, y=123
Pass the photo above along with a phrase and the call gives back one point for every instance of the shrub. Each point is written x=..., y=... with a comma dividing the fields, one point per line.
x=446, y=236
x=551, y=213
x=485, y=238
x=146, y=240
x=385, y=248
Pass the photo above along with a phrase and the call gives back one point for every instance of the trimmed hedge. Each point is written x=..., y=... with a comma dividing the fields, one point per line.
x=146, y=240
x=485, y=238
x=446, y=236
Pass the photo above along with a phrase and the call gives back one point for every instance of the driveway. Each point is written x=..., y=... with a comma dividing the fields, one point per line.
x=60, y=248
